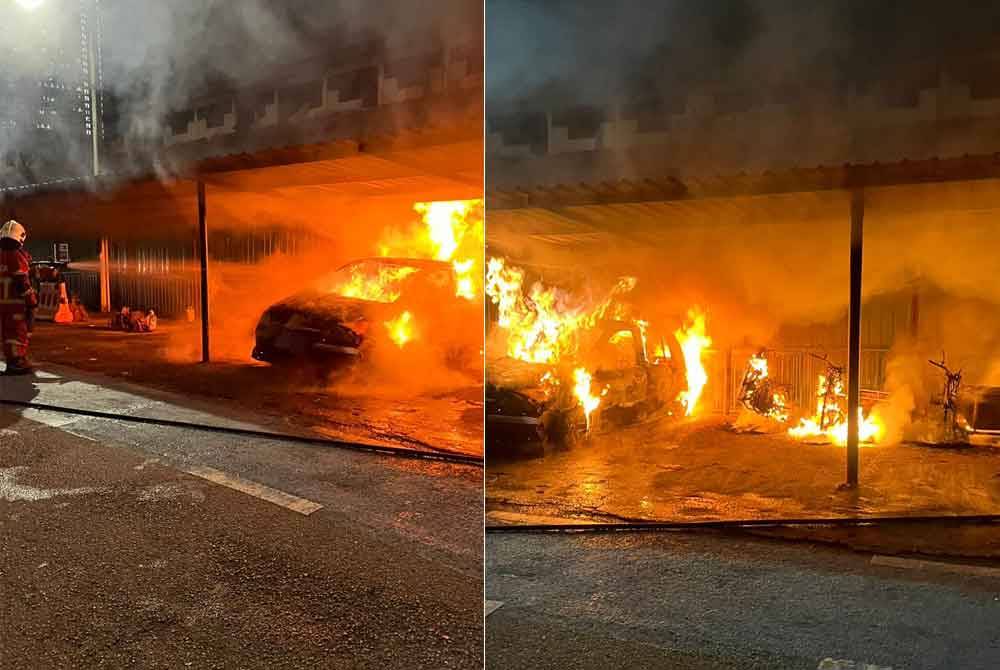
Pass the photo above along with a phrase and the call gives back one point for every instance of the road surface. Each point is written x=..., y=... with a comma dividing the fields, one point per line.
x=713, y=601
x=128, y=545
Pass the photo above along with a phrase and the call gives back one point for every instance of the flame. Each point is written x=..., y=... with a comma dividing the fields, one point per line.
x=465, y=284
x=401, y=329
x=544, y=324
x=758, y=372
x=377, y=288
x=831, y=422
x=582, y=390
x=693, y=341
x=541, y=326
x=450, y=231
x=454, y=230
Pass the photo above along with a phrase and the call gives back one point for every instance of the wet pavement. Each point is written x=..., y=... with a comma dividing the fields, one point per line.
x=700, y=470
x=129, y=545
x=700, y=601
x=354, y=406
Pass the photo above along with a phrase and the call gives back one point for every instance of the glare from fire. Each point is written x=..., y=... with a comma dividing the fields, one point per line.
x=381, y=287
x=830, y=420
x=693, y=341
x=582, y=390
x=401, y=329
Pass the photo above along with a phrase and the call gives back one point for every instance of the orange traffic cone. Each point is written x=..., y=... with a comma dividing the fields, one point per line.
x=63, y=314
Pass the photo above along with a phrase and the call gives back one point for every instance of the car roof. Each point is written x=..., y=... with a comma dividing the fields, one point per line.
x=422, y=263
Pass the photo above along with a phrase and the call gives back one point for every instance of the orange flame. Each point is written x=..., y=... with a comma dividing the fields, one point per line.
x=582, y=390
x=693, y=341
x=871, y=429
x=544, y=325
x=401, y=329
x=779, y=407
x=541, y=326
x=382, y=287
x=453, y=231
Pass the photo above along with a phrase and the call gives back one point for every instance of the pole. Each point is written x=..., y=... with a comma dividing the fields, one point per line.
x=105, y=275
x=854, y=344
x=203, y=253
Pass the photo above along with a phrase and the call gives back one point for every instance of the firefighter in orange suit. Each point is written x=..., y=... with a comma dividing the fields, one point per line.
x=17, y=297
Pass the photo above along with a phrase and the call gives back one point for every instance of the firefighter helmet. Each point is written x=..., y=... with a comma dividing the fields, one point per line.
x=14, y=231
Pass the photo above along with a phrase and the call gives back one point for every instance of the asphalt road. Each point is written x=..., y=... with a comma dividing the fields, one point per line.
x=715, y=601
x=113, y=555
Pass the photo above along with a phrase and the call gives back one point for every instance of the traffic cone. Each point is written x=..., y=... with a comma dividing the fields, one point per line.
x=63, y=314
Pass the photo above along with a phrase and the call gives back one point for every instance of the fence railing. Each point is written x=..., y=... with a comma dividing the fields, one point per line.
x=795, y=369
x=169, y=295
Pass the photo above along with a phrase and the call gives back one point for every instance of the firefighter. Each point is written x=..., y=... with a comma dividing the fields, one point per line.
x=17, y=297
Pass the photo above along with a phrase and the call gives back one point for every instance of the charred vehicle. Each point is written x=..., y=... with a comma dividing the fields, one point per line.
x=532, y=407
x=363, y=306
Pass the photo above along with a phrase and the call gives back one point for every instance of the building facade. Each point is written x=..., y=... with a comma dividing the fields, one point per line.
x=49, y=102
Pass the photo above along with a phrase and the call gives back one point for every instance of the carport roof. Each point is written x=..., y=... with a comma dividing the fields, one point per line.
x=636, y=212
x=444, y=162
x=820, y=178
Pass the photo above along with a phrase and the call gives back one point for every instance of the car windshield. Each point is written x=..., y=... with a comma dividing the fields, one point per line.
x=371, y=280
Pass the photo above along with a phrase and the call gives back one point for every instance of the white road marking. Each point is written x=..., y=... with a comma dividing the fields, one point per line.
x=842, y=664
x=11, y=491
x=935, y=566
x=492, y=606
x=79, y=435
x=251, y=488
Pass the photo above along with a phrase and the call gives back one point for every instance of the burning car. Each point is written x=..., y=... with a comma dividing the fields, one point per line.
x=363, y=306
x=531, y=406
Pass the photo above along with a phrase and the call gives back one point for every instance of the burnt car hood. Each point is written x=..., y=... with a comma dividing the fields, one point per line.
x=317, y=310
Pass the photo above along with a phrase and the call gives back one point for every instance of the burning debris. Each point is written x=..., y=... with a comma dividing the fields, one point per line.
x=765, y=406
x=758, y=393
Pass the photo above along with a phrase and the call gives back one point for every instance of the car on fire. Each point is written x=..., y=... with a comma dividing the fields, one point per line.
x=530, y=408
x=344, y=317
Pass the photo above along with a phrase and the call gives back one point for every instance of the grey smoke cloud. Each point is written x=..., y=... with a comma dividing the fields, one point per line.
x=562, y=52
x=157, y=54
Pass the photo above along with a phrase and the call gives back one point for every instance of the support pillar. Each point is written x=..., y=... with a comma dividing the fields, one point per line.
x=105, y=275
x=854, y=334
x=203, y=254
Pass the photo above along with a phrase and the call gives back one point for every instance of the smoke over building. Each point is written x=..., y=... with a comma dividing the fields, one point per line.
x=50, y=91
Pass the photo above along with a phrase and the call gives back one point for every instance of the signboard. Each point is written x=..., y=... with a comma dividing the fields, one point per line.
x=60, y=252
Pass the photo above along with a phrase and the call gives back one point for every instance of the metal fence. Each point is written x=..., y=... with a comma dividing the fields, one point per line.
x=168, y=295
x=794, y=368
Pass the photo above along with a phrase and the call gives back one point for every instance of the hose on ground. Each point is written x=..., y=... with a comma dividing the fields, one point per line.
x=740, y=524
x=441, y=455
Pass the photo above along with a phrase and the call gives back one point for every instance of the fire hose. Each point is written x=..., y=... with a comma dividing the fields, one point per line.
x=437, y=454
x=739, y=524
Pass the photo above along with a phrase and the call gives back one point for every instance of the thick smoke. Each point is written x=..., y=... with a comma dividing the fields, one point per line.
x=158, y=57
x=591, y=52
